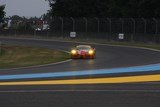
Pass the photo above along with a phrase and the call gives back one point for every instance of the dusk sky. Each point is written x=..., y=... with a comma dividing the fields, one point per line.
x=26, y=8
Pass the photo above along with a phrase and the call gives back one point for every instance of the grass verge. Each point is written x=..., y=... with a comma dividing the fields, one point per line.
x=103, y=41
x=1, y=51
x=21, y=56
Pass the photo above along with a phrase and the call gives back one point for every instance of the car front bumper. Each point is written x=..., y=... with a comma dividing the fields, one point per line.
x=82, y=56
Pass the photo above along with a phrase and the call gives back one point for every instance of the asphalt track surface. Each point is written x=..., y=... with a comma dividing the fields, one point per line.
x=106, y=95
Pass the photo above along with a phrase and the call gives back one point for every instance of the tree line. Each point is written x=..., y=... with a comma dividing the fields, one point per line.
x=105, y=8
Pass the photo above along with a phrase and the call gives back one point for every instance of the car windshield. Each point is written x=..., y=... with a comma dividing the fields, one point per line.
x=83, y=48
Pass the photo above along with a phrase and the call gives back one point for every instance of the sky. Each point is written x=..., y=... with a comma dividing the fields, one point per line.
x=27, y=8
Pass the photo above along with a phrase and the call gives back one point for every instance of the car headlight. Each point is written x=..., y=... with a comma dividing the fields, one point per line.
x=73, y=51
x=91, y=52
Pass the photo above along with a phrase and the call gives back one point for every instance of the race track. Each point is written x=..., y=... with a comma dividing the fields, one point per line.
x=115, y=59
x=107, y=57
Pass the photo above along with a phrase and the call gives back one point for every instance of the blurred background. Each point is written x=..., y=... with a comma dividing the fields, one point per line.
x=98, y=19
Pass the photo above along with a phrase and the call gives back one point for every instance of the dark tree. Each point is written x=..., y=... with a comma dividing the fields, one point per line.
x=105, y=8
x=79, y=8
x=2, y=13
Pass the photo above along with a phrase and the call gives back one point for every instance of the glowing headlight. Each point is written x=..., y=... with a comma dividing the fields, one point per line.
x=73, y=52
x=91, y=52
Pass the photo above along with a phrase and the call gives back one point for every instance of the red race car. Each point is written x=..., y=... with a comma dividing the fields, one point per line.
x=83, y=51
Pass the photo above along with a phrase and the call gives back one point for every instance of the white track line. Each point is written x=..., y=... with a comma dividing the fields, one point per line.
x=37, y=66
x=44, y=91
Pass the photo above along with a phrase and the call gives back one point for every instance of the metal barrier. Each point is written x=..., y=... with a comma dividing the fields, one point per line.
x=139, y=30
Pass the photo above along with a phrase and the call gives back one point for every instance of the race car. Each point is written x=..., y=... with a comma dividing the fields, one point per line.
x=83, y=51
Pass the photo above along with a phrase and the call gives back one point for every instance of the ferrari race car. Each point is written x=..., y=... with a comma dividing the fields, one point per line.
x=83, y=51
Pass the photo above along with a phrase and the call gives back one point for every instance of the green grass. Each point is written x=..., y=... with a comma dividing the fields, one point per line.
x=1, y=51
x=21, y=56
